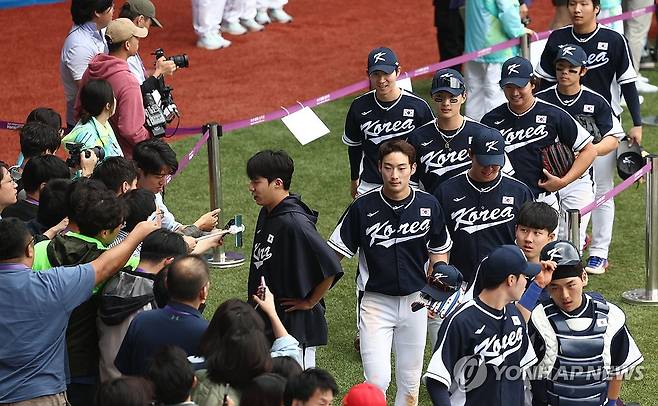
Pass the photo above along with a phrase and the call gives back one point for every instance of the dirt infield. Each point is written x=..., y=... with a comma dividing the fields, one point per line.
x=322, y=50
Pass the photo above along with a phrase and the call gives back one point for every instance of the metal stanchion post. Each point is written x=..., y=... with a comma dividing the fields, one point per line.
x=573, y=228
x=525, y=46
x=649, y=294
x=220, y=257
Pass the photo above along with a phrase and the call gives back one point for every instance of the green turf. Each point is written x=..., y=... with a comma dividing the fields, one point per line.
x=322, y=178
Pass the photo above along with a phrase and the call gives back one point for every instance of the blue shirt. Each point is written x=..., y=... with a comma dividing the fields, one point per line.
x=175, y=324
x=35, y=312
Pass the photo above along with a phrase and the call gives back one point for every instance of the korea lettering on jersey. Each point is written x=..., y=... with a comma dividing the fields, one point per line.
x=393, y=242
x=481, y=355
x=609, y=62
x=480, y=219
x=370, y=123
x=526, y=134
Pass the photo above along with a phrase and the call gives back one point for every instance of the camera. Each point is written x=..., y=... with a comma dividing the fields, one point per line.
x=181, y=61
x=159, y=106
x=76, y=148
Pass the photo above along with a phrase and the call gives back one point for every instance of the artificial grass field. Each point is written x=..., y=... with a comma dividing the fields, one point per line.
x=322, y=179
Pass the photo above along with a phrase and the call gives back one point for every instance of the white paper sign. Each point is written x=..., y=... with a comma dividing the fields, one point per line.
x=405, y=84
x=305, y=125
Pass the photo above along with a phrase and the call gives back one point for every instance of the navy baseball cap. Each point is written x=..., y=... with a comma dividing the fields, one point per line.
x=572, y=54
x=382, y=59
x=446, y=275
x=448, y=80
x=507, y=260
x=516, y=71
x=488, y=146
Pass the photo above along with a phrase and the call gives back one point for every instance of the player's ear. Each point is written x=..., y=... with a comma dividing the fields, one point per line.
x=551, y=236
x=413, y=168
x=585, y=278
x=583, y=71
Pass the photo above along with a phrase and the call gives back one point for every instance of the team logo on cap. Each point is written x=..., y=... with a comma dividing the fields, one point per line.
x=379, y=57
x=554, y=254
x=491, y=145
x=513, y=68
x=568, y=50
x=446, y=75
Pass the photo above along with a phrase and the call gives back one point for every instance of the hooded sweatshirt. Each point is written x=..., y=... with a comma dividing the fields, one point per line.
x=294, y=258
x=128, y=119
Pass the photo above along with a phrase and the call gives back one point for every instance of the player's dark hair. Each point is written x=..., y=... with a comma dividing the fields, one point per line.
x=37, y=138
x=186, y=277
x=139, y=204
x=94, y=96
x=162, y=244
x=115, y=170
x=47, y=116
x=538, y=215
x=93, y=208
x=171, y=374
x=83, y=10
x=397, y=146
x=53, y=206
x=125, y=391
x=304, y=385
x=271, y=165
x=3, y=165
x=41, y=169
x=154, y=155
x=14, y=236
x=287, y=367
x=264, y=390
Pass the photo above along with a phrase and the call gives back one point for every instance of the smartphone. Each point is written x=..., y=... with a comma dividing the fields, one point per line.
x=261, y=289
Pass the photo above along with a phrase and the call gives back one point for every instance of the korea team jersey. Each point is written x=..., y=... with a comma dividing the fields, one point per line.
x=393, y=242
x=370, y=123
x=589, y=109
x=526, y=134
x=608, y=64
x=479, y=217
x=440, y=156
x=480, y=355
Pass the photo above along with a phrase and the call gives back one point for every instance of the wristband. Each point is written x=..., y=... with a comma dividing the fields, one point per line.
x=530, y=297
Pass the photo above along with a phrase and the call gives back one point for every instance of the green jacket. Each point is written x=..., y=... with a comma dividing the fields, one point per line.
x=208, y=393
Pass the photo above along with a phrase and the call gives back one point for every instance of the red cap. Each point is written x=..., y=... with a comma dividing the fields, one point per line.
x=364, y=394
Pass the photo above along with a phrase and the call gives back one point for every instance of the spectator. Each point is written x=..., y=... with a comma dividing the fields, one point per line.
x=636, y=30
x=95, y=214
x=172, y=376
x=38, y=306
x=125, y=391
x=94, y=130
x=128, y=120
x=285, y=366
x=311, y=387
x=117, y=173
x=37, y=138
x=449, y=28
x=38, y=171
x=265, y=390
x=364, y=394
x=179, y=323
x=44, y=115
x=52, y=212
x=83, y=42
x=7, y=188
x=130, y=292
x=155, y=161
x=140, y=204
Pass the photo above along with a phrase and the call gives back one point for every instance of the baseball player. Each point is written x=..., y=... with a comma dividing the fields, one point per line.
x=581, y=340
x=399, y=233
x=529, y=125
x=611, y=74
x=442, y=144
x=484, y=338
x=594, y=113
x=383, y=114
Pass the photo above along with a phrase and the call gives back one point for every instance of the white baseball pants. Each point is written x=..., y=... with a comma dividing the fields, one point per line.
x=482, y=79
x=603, y=217
x=207, y=16
x=237, y=9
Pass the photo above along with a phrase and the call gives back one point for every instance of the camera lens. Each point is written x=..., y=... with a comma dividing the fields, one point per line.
x=181, y=61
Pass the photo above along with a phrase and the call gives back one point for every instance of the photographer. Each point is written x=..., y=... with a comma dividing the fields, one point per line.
x=123, y=37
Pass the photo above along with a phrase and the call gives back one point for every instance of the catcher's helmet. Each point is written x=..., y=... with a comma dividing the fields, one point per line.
x=563, y=252
x=629, y=159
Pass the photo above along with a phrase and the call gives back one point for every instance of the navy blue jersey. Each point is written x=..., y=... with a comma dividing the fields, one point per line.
x=439, y=156
x=478, y=218
x=526, y=134
x=479, y=355
x=393, y=242
x=589, y=108
x=609, y=62
x=370, y=123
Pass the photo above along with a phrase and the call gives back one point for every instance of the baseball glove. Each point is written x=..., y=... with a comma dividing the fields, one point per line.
x=557, y=159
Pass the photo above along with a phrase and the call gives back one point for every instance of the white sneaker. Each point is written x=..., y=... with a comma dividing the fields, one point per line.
x=251, y=25
x=280, y=16
x=212, y=41
x=233, y=28
x=645, y=87
x=261, y=17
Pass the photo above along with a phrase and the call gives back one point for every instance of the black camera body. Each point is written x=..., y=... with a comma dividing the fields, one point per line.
x=159, y=106
x=76, y=149
x=181, y=61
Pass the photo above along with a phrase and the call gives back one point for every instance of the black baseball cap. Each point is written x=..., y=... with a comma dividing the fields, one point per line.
x=448, y=80
x=516, y=71
x=488, y=146
x=507, y=260
x=382, y=59
x=449, y=276
x=566, y=256
x=573, y=54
